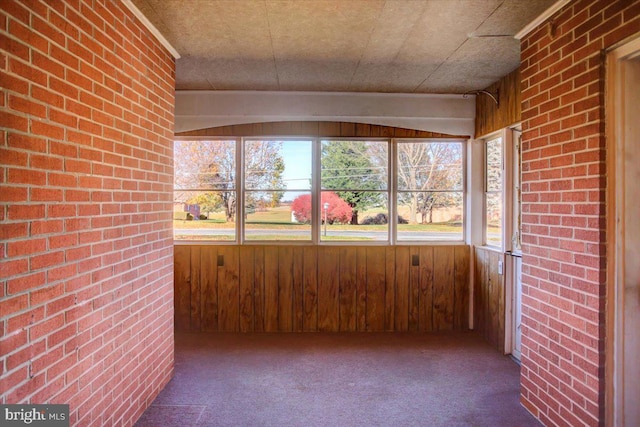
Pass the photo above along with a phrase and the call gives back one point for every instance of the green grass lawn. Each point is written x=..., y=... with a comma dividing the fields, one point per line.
x=280, y=219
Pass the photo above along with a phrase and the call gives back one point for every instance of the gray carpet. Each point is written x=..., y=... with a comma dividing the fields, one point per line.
x=355, y=379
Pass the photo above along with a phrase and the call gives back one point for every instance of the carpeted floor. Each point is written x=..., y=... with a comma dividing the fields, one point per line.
x=367, y=379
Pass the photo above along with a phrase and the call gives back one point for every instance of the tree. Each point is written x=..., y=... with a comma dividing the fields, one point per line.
x=352, y=169
x=211, y=165
x=207, y=166
x=337, y=211
x=429, y=175
x=264, y=167
x=493, y=198
x=209, y=202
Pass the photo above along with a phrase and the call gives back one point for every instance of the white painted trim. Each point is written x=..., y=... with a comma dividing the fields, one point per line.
x=540, y=19
x=474, y=207
x=619, y=133
x=475, y=192
x=507, y=189
x=143, y=19
x=448, y=114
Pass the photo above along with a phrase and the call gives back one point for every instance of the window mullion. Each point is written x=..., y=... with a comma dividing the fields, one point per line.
x=392, y=191
x=315, y=191
x=240, y=190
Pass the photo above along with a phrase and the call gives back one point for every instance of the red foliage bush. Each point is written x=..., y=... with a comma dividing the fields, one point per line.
x=339, y=211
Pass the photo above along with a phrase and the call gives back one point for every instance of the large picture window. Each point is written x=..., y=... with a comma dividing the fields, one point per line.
x=355, y=182
x=205, y=191
x=319, y=190
x=277, y=174
x=430, y=190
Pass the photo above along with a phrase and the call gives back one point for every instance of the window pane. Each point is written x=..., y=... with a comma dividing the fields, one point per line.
x=277, y=165
x=354, y=165
x=438, y=216
x=430, y=191
x=203, y=215
x=204, y=165
x=352, y=170
x=199, y=212
x=494, y=165
x=269, y=215
x=430, y=166
x=342, y=222
x=494, y=219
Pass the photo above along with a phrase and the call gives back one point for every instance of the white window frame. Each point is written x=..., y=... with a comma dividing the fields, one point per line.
x=389, y=191
x=240, y=167
x=465, y=190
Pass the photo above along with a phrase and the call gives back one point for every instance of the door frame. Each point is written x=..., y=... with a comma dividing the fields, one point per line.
x=617, y=60
x=512, y=251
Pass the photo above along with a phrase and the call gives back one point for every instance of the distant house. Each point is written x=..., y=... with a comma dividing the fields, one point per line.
x=192, y=209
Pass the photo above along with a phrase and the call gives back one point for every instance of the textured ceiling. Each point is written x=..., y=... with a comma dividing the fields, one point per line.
x=401, y=46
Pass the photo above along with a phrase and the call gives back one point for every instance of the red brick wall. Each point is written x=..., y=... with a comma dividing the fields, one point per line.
x=86, y=267
x=564, y=222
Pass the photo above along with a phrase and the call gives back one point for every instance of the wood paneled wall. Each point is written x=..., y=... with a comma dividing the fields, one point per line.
x=491, y=117
x=244, y=288
x=317, y=129
x=489, y=297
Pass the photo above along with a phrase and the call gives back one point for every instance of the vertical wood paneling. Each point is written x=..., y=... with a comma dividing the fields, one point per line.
x=271, y=298
x=247, y=284
x=310, y=289
x=390, y=289
x=285, y=289
x=489, y=303
x=195, y=289
x=258, y=288
x=329, y=129
x=402, y=289
x=361, y=289
x=491, y=117
x=328, y=289
x=323, y=288
x=182, y=285
x=443, y=280
x=425, y=309
x=376, y=271
x=209, y=288
x=414, y=290
x=481, y=281
x=461, y=288
x=228, y=289
x=493, y=301
x=496, y=301
x=298, y=284
x=347, y=128
x=348, y=289
x=316, y=129
x=363, y=130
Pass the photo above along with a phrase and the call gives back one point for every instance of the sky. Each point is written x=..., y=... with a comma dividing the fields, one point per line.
x=297, y=161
